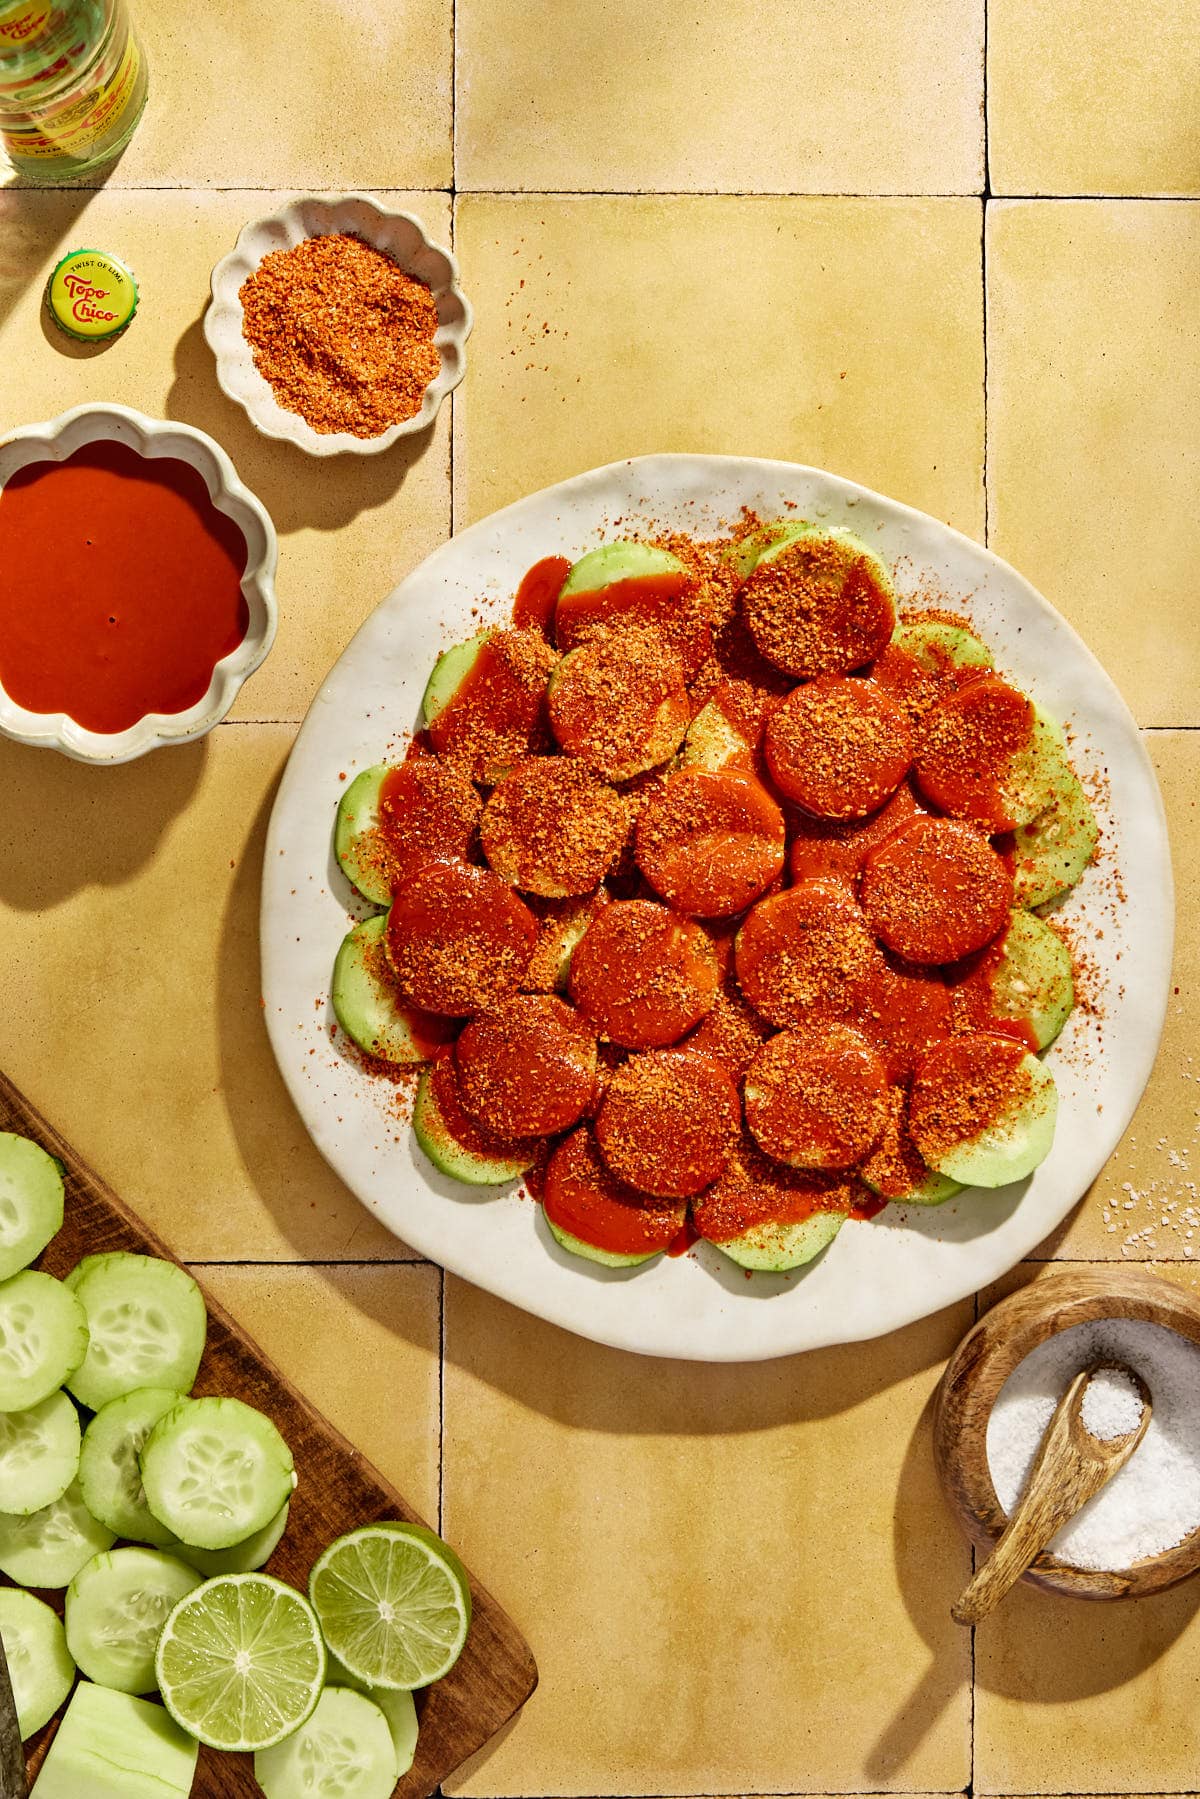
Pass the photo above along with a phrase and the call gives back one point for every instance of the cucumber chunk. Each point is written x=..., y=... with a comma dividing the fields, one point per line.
x=776, y=1248
x=48, y=1548
x=39, y=1662
x=244, y=1558
x=453, y=1158
x=354, y=835
x=368, y=1010
x=796, y=532
x=112, y=1746
x=1051, y=853
x=148, y=1324
x=607, y=1258
x=110, y=1478
x=344, y=1751
x=39, y=1454
x=1032, y=983
x=397, y=1707
x=933, y=643
x=43, y=1338
x=116, y=1606
x=449, y=672
x=215, y=1471
x=1015, y=1144
x=713, y=742
x=31, y=1201
x=84, y=1266
x=622, y=561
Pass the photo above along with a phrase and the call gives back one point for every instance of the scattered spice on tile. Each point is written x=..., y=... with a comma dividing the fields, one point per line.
x=342, y=333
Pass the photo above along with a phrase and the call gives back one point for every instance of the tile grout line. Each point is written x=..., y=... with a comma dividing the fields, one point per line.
x=441, y=1401
x=453, y=191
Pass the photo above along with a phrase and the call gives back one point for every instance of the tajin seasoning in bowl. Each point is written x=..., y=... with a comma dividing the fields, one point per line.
x=137, y=584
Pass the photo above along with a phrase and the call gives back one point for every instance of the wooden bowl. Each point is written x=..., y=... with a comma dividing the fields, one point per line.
x=979, y=1368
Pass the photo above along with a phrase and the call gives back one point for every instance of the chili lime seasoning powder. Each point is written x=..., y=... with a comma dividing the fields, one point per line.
x=342, y=333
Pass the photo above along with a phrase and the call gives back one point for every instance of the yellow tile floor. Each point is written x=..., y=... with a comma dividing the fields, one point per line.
x=824, y=232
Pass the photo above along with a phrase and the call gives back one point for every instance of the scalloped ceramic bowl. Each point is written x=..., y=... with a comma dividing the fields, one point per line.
x=401, y=236
x=59, y=438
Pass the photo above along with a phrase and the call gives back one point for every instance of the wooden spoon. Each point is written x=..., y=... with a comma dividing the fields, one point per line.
x=1071, y=1465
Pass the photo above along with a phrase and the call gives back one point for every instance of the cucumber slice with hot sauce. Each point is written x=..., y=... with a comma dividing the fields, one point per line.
x=148, y=1324
x=607, y=1258
x=356, y=836
x=31, y=1201
x=39, y=1454
x=932, y=642
x=1019, y=1131
x=43, y=1338
x=49, y=1547
x=462, y=1156
x=116, y=1606
x=1031, y=982
x=1053, y=850
x=39, y=1662
x=776, y=1248
x=215, y=1471
x=713, y=742
x=366, y=1006
x=449, y=672
x=621, y=561
x=110, y=1478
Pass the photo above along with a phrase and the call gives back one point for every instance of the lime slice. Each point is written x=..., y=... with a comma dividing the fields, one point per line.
x=394, y=1604
x=240, y=1662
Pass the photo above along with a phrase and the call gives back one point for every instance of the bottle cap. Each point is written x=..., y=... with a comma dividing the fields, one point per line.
x=91, y=295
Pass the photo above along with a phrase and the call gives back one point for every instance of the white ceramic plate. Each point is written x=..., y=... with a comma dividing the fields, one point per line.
x=877, y=1276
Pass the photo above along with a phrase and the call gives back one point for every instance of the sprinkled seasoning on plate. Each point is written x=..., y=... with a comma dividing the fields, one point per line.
x=341, y=332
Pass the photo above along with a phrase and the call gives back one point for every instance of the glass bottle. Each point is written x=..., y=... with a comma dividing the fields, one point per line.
x=72, y=85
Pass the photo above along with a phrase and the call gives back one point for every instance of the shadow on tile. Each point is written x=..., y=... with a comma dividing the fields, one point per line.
x=279, y=1157
x=28, y=229
x=298, y=490
x=927, y=1604
x=69, y=825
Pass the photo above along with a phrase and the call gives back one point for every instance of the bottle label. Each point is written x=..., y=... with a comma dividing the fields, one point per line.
x=70, y=132
x=23, y=23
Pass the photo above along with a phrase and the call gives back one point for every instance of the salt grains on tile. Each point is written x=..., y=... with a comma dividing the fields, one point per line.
x=1153, y=1502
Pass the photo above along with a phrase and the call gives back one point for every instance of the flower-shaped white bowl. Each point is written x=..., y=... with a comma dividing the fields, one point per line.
x=403, y=238
x=59, y=438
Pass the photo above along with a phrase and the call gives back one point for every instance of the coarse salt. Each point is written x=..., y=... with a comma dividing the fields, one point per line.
x=1153, y=1502
x=1112, y=1405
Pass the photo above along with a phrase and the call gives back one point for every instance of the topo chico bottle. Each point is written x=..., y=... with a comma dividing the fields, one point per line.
x=72, y=85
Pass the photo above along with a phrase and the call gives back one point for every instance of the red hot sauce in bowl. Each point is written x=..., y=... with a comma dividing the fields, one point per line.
x=121, y=588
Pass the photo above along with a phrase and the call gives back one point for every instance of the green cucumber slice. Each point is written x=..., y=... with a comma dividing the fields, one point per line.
x=43, y=1338
x=1038, y=773
x=48, y=1548
x=449, y=672
x=794, y=533
x=243, y=1558
x=116, y=1606
x=39, y=1662
x=39, y=1454
x=345, y=1750
x=354, y=835
x=1015, y=1144
x=607, y=1258
x=776, y=1248
x=110, y=1478
x=934, y=1190
x=1051, y=852
x=933, y=643
x=31, y=1201
x=398, y=1708
x=367, y=1009
x=621, y=561
x=84, y=1267
x=453, y=1158
x=148, y=1324
x=215, y=1471
x=713, y=742
x=1032, y=983
x=112, y=1746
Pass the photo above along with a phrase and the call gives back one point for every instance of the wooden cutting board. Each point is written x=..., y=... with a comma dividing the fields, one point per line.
x=338, y=1490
